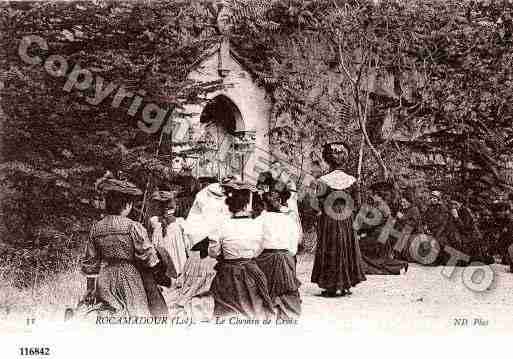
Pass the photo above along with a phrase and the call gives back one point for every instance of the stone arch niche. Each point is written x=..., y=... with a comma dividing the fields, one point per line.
x=240, y=107
x=222, y=111
x=220, y=121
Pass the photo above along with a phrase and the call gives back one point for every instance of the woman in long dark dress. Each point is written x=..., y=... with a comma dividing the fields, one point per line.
x=280, y=245
x=239, y=287
x=338, y=263
x=121, y=254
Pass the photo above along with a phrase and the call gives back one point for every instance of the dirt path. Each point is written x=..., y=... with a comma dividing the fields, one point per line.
x=421, y=300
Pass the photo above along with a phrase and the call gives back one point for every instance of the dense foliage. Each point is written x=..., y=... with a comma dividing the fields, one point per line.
x=437, y=73
x=55, y=142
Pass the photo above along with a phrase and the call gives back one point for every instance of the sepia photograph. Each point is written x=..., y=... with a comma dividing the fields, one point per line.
x=337, y=166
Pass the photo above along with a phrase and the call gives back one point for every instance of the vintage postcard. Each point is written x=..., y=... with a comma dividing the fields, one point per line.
x=217, y=167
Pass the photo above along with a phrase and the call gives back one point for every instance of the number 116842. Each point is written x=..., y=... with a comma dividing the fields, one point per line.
x=33, y=351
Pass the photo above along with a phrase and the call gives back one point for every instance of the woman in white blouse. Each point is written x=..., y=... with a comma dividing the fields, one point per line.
x=280, y=243
x=168, y=232
x=239, y=287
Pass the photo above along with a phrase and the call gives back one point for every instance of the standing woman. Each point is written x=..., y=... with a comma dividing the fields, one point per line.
x=280, y=244
x=338, y=262
x=120, y=251
x=239, y=287
x=167, y=235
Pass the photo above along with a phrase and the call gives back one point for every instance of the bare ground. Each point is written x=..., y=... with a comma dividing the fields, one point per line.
x=422, y=300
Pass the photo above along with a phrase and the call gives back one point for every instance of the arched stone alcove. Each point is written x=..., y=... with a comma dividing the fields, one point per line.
x=221, y=120
x=240, y=107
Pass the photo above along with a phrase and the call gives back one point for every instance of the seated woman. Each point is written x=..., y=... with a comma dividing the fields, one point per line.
x=120, y=251
x=378, y=257
x=168, y=234
x=382, y=201
x=239, y=287
x=280, y=245
x=408, y=218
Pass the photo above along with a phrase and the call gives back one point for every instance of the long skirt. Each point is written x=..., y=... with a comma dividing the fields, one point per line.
x=378, y=258
x=197, y=278
x=384, y=265
x=176, y=246
x=338, y=261
x=279, y=267
x=240, y=288
x=121, y=287
x=156, y=302
x=191, y=293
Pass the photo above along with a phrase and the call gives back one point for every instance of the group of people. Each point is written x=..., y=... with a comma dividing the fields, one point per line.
x=482, y=235
x=450, y=222
x=251, y=235
x=251, y=231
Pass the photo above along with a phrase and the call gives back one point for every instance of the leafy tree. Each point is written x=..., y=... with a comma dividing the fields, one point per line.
x=436, y=73
x=438, y=68
x=57, y=141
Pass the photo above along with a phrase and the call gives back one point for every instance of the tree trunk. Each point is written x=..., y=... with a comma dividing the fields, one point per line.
x=362, y=104
x=360, y=165
x=362, y=120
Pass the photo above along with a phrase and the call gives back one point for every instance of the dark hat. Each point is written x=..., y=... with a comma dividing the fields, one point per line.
x=238, y=185
x=207, y=180
x=163, y=196
x=225, y=181
x=121, y=186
